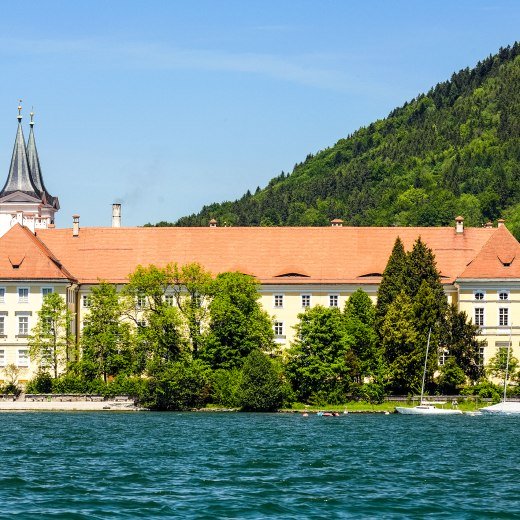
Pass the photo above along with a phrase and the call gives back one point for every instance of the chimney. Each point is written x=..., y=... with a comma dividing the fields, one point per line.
x=116, y=215
x=337, y=222
x=75, y=225
x=212, y=223
x=501, y=222
x=459, y=225
x=488, y=225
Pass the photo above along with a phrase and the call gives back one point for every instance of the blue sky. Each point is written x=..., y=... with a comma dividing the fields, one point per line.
x=166, y=106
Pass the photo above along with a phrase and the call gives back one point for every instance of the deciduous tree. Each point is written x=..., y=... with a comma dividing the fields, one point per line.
x=106, y=337
x=321, y=361
x=51, y=338
x=238, y=325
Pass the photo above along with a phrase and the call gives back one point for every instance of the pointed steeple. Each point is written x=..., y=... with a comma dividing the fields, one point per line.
x=19, y=178
x=34, y=167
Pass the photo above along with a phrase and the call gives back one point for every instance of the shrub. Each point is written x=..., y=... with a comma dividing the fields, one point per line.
x=40, y=384
x=180, y=385
x=12, y=389
x=451, y=377
x=125, y=385
x=225, y=387
x=372, y=393
x=74, y=384
x=484, y=389
x=262, y=386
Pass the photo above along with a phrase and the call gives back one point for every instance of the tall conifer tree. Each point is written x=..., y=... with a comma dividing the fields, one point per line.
x=421, y=266
x=391, y=282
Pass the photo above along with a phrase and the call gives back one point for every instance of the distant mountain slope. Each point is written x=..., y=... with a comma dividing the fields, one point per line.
x=454, y=150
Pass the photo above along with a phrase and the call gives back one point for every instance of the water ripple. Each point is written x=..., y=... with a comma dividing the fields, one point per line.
x=151, y=465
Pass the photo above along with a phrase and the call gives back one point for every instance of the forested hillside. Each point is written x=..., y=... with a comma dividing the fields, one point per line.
x=454, y=150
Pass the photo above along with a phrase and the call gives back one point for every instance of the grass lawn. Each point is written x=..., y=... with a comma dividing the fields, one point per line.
x=386, y=406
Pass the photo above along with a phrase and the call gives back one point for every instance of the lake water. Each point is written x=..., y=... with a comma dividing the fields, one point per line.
x=216, y=465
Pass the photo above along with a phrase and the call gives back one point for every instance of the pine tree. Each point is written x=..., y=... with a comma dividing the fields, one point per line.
x=399, y=344
x=421, y=266
x=392, y=282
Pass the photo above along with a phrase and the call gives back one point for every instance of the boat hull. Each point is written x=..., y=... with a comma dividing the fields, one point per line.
x=426, y=410
x=504, y=408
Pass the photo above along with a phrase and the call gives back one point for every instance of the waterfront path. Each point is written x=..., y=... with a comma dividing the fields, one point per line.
x=52, y=405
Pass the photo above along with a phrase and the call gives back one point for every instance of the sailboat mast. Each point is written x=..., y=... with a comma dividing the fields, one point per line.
x=509, y=348
x=425, y=364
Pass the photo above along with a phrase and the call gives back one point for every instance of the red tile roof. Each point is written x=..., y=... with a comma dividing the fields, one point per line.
x=498, y=258
x=24, y=257
x=324, y=255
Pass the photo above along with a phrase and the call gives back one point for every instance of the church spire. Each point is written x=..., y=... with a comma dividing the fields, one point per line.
x=34, y=166
x=19, y=178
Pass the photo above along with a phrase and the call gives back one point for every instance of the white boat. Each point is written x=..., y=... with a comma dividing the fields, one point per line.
x=505, y=407
x=424, y=408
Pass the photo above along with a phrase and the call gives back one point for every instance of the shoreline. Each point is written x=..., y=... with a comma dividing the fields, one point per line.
x=68, y=406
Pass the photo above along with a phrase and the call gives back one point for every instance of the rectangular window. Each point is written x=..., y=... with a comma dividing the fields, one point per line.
x=480, y=357
x=503, y=317
x=168, y=298
x=141, y=324
x=23, y=357
x=2, y=358
x=23, y=294
x=140, y=302
x=278, y=301
x=2, y=294
x=278, y=328
x=86, y=300
x=46, y=291
x=2, y=325
x=23, y=325
x=479, y=316
x=443, y=356
x=306, y=300
x=333, y=300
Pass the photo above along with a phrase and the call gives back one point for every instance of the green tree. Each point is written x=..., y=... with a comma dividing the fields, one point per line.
x=321, y=361
x=402, y=358
x=460, y=339
x=427, y=319
x=225, y=387
x=193, y=289
x=359, y=325
x=238, y=325
x=51, y=339
x=421, y=267
x=158, y=324
x=106, y=339
x=451, y=377
x=499, y=363
x=392, y=281
x=261, y=386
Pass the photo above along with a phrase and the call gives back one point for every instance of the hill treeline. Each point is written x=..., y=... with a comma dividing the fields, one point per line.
x=454, y=150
